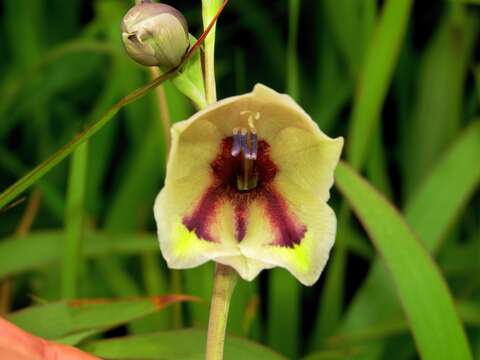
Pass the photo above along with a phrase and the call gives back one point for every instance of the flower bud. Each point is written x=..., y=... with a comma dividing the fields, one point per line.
x=155, y=34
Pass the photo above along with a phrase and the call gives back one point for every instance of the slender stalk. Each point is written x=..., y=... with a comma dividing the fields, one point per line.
x=163, y=106
x=209, y=9
x=175, y=275
x=23, y=228
x=225, y=280
x=225, y=277
x=74, y=218
x=176, y=286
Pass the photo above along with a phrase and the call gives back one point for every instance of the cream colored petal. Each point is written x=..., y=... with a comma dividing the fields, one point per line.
x=306, y=160
x=180, y=247
x=247, y=268
x=307, y=259
x=193, y=151
x=276, y=112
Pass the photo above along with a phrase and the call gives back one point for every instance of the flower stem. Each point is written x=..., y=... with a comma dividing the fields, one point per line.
x=224, y=283
x=225, y=277
x=209, y=9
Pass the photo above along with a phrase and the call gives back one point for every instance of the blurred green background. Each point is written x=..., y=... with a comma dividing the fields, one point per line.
x=400, y=80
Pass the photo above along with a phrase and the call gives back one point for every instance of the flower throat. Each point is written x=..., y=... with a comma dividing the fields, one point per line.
x=245, y=144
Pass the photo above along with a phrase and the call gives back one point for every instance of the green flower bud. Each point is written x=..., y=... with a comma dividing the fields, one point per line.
x=155, y=34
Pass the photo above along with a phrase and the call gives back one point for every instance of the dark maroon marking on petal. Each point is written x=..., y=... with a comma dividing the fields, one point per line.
x=225, y=168
x=289, y=232
x=200, y=219
x=240, y=220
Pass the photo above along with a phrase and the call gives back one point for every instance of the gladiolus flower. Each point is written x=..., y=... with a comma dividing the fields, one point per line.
x=247, y=186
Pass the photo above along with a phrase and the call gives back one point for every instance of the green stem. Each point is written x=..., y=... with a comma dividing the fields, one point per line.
x=74, y=221
x=223, y=286
x=225, y=277
x=209, y=9
x=176, y=286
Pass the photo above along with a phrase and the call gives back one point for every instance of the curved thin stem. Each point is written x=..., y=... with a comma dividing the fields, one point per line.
x=224, y=283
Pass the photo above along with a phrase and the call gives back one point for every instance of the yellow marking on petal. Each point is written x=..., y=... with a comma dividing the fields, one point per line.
x=300, y=256
x=186, y=241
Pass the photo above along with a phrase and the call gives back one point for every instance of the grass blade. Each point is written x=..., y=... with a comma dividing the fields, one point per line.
x=284, y=290
x=423, y=293
x=431, y=212
x=283, y=312
x=56, y=320
x=180, y=344
x=440, y=94
x=44, y=248
x=74, y=222
x=293, y=86
x=372, y=88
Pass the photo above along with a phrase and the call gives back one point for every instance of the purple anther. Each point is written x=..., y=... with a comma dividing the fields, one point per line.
x=252, y=154
x=243, y=142
x=237, y=142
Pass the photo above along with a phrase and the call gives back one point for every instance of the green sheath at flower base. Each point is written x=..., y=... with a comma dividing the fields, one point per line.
x=155, y=35
x=247, y=185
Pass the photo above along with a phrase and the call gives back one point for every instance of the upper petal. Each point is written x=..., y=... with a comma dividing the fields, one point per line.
x=306, y=159
x=276, y=112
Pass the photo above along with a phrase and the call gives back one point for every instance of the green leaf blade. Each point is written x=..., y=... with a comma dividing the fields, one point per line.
x=423, y=293
x=180, y=344
x=57, y=320
x=380, y=60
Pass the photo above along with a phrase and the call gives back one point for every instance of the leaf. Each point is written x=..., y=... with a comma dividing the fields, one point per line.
x=39, y=249
x=284, y=304
x=372, y=88
x=334, y=354
x=293, y=81
x=178, y=345
x=468, y=311
x=423, y=293
x=430, y=212
x=284, y=290
x=57, y=320
x=74, y=221
x=351, y=23
x=77, y=338
x=438, y=109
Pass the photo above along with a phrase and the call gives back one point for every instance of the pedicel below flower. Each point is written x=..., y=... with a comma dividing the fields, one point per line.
x=247, y=185
x=155, y=35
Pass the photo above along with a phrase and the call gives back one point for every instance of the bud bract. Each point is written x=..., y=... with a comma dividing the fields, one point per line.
x=155, y=35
